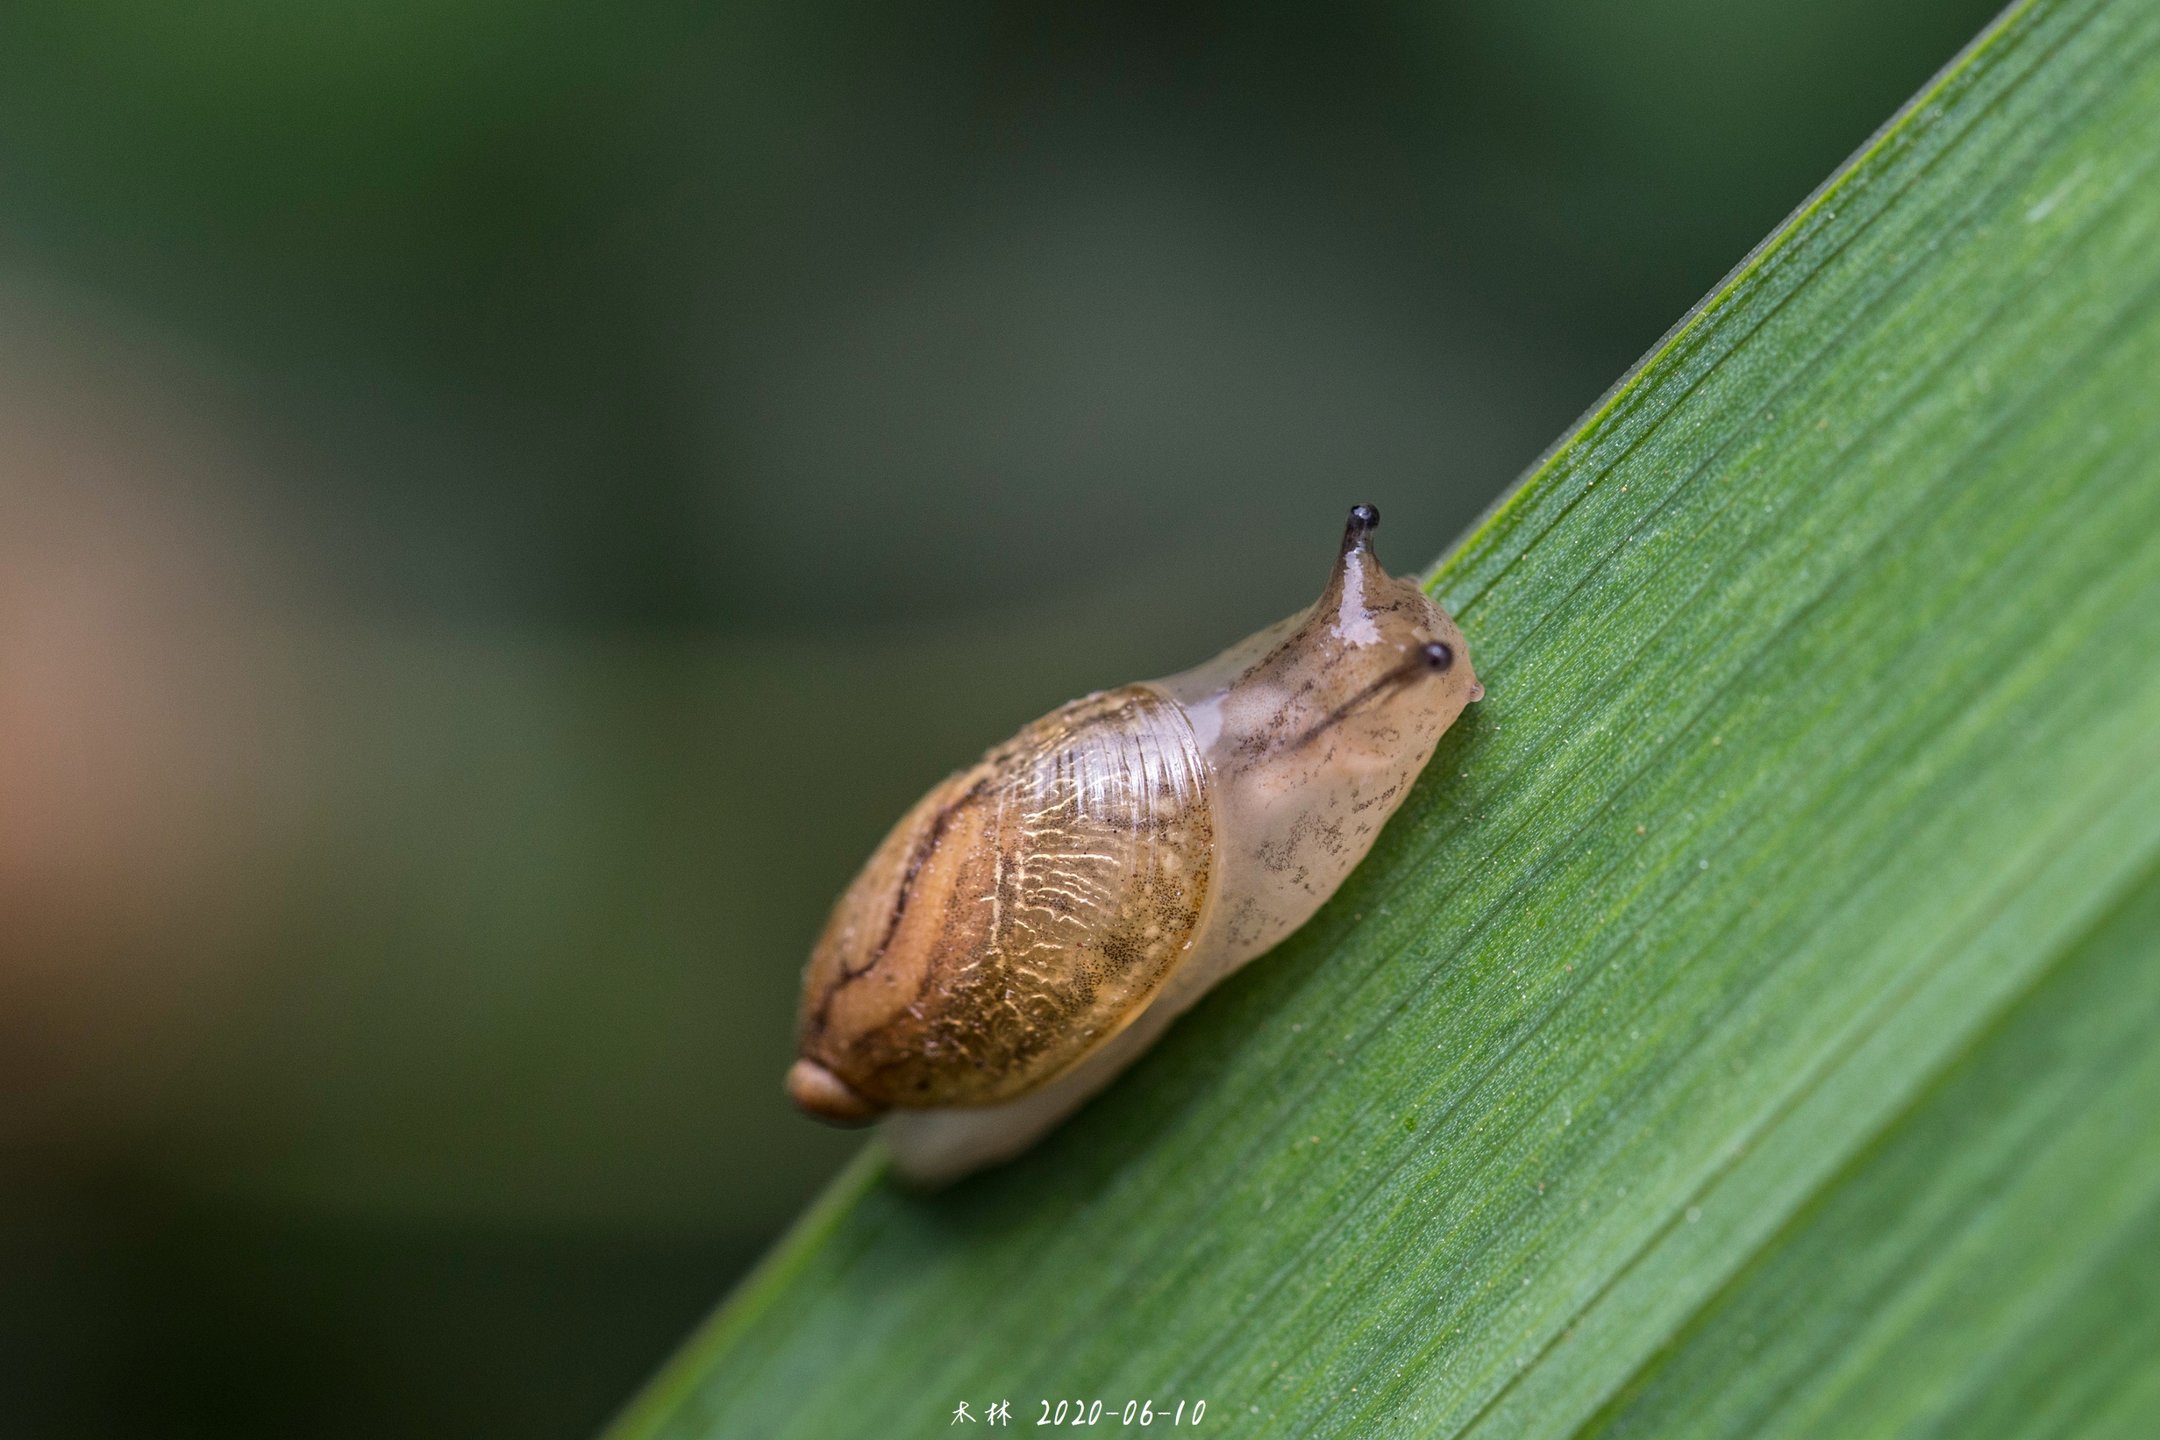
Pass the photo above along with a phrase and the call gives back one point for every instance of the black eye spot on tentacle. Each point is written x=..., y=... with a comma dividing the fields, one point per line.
x=1439, y=654
x=1364, y=519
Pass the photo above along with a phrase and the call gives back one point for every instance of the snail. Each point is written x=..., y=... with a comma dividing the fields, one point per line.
x=1038, y=919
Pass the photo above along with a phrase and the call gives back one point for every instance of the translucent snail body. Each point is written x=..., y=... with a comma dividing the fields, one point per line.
x=1038, y=919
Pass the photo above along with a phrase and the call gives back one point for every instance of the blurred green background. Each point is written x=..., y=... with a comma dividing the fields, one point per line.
x=501, y=505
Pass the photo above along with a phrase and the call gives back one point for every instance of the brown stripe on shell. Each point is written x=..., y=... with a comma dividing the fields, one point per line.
x=1021, y=913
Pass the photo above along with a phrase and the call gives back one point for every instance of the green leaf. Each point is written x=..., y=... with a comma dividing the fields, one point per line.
x=1748, y=1026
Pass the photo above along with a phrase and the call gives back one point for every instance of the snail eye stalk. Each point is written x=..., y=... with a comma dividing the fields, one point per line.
x=1357, y=531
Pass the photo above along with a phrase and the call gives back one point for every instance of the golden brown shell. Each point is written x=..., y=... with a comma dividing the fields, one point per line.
x=1018, y=916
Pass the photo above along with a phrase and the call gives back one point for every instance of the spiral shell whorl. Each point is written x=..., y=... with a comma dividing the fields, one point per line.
x=1020, y=915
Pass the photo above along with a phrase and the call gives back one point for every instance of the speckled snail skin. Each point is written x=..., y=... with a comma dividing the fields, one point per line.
x=1038, y=919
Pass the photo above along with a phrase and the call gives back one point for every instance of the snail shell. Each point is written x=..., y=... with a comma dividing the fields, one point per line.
x=1040, y=917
